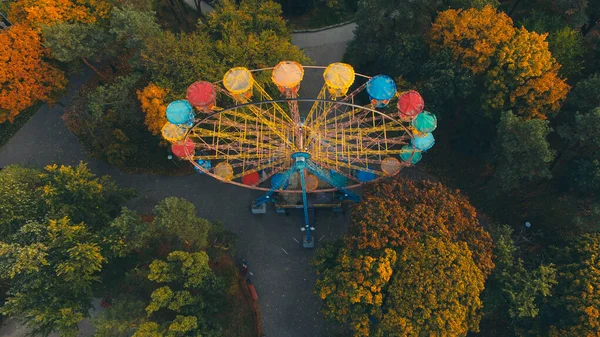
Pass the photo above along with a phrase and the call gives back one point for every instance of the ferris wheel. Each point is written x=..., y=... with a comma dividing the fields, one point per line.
x=235, y=131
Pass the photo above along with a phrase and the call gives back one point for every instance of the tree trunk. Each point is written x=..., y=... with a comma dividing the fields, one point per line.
x=93, y=68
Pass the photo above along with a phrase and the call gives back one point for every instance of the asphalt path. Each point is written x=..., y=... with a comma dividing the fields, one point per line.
x=270, y=243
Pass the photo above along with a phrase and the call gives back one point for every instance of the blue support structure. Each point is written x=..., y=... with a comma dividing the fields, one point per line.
x=301, y=165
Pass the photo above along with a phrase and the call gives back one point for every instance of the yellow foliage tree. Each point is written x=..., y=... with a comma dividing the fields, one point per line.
x=25, y=78
x=352, y=290
x=434, y=292
x=36, y=13
x=152, y=98
x=518, y=70
x=525, y=77
x=473, y=36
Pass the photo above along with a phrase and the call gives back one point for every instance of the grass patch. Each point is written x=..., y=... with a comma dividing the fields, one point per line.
x=321, y=16
x=7, y=130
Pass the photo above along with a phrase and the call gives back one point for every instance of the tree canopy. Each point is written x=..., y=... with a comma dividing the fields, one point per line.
x=403, y=237
x=25, y=76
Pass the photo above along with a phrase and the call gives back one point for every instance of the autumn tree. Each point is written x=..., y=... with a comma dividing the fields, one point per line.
x=574, y=308
x=525, y=78
x=396, y=213
x=435, y=291
x=25, y=77
x=473, y=36
x=51, y=270
x=389, y=35
x=37, y=13
x=516, y=67
x=361, y=278
x=352, y=285
x=154, y=106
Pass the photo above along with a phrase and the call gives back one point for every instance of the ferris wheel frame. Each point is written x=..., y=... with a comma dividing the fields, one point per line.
x=189, y=156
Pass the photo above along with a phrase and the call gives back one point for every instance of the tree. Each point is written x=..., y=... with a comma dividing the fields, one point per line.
x=522, y=150
x=573, y=310
x=190, y=57
x=513, y=292
x=585, y=95
x=153, y=100
x=525, y=78
x=519, y=71
x=75, y=192
x=178, y=217
x=435, y=291
x=386, y=31
x=566, y=44
x=19, y=199
x=359, y=277
x=56, y=192
x=132, y=29
x=37, y=13
x=473, y=36
x=242, y=33
x=352, y=285
x=109, y=122
x=184, y=297
x=68, y=42
x=51, y=269
x=25, y=78
x=399, y=212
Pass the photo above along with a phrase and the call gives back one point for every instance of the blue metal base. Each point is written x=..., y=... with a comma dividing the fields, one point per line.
x=302, y=163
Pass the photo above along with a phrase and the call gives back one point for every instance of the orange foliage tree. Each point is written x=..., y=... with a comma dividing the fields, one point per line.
x=518, y=71
x=525, y=77
x=25, y=78
x=473, y=36
x=413, y=263
x=398, y=212
x=152, y=98
x=36, y=13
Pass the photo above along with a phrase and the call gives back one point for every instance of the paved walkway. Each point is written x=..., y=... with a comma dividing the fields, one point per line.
x=282, y=275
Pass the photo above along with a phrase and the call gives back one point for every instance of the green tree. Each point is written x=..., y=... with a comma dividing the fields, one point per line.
x=583, y=150
x=574, y=308
x=514, y=293
x=68, y=42
x=435, y=291
x=523, y=152
x=387, y=27
x=19, y=200
x=242, y=33
x=190, y=57
x=185, y=295
x=177, y=216
x=75, y=192
x=585, y=95
x=51, y=269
